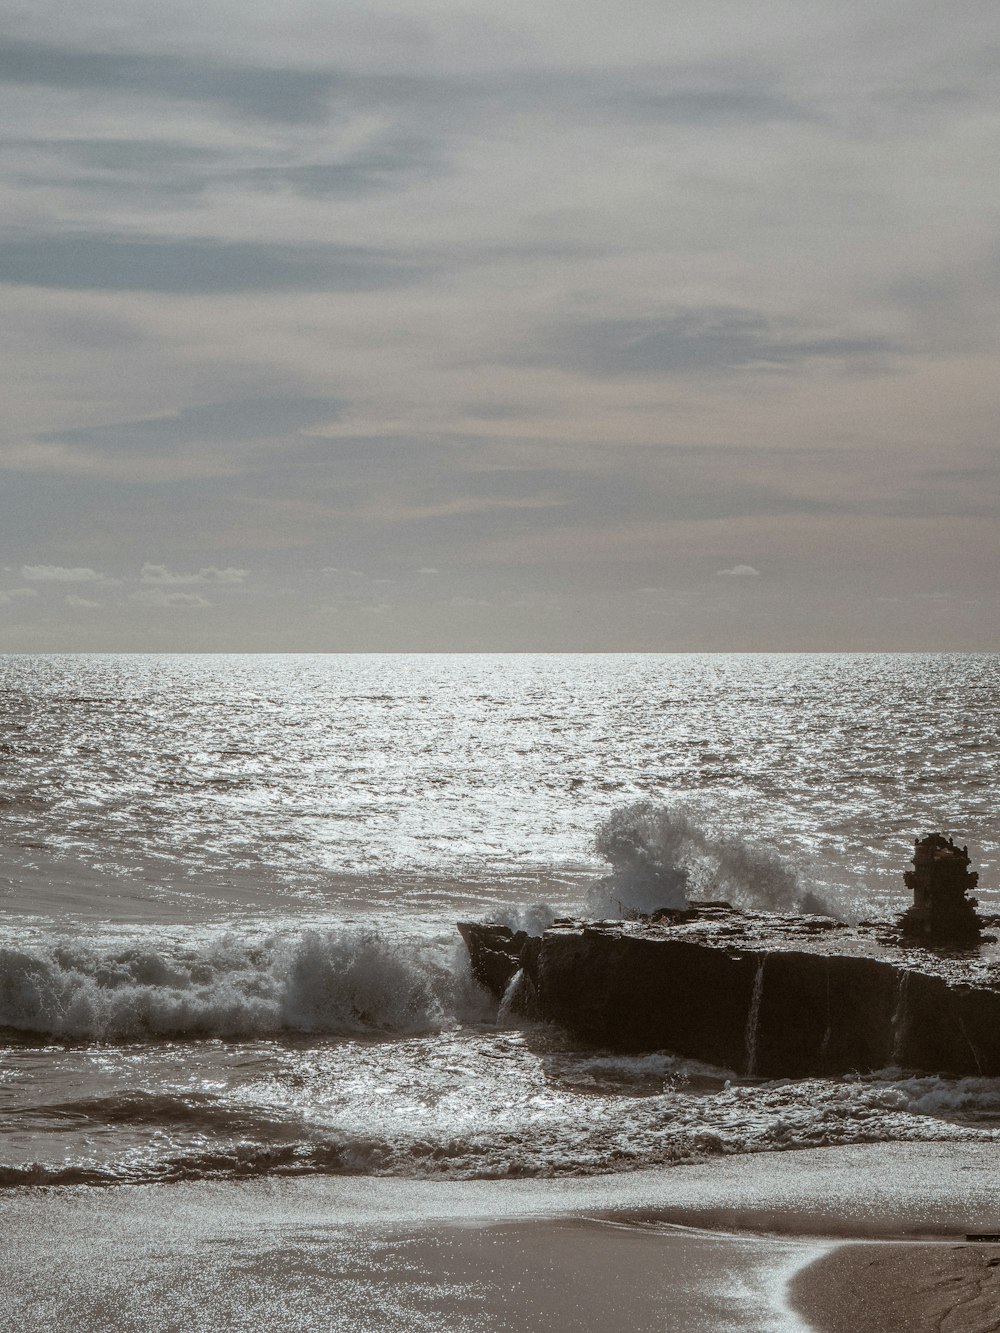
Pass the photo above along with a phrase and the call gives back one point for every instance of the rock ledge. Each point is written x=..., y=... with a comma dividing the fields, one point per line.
x=763, y=994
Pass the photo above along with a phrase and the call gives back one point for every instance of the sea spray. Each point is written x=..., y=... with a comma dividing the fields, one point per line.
x=660, y=857
x=645, y=845
x=532, y=918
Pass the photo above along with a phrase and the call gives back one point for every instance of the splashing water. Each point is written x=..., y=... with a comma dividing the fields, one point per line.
x=900, y=1019
x=660, y=857
x=753, y=1017
x=518, y=1000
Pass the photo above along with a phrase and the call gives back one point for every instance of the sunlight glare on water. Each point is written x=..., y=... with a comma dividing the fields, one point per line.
x=179, y=784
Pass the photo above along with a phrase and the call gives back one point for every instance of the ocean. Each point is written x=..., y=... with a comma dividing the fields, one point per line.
x=229, y=888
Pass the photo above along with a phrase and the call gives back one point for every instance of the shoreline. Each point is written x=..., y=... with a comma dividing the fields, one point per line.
x=834, y=1240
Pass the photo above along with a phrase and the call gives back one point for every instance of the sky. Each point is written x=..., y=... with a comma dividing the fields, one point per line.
x=454, y=326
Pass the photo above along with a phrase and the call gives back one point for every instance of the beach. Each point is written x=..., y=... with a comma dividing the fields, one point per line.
x=870, y=1237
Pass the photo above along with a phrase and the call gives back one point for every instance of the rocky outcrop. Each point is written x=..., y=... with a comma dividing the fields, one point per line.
x=497, y=953
x=761, y=994
x=941, y=882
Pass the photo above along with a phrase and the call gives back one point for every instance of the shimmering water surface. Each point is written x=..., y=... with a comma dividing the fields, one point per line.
x=228, y=889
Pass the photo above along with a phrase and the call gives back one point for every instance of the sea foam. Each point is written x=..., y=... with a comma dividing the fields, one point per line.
x=336, y=982
x=660, y=856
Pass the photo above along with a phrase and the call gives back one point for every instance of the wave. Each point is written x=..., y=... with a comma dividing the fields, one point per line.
x=190, y=1137
x=660, y=857
x=336, y=982
x=967, y=1100
x=201, y=1112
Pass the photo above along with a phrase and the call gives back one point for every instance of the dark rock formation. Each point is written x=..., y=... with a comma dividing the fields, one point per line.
x=497, y=953
x=942, y=913
x=760, y=993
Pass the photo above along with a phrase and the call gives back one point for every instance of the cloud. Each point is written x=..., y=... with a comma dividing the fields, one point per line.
x=707, y=340
x=275, y=93
x=60, y=574
x=80, y=603
x=16, y=595
x=739, y=572
x=687, y=94
x=160, y=597
x=198, y=266
x=569, y=279
x=161, y=576
x=388, y=163
x=138, y=155
x=225, y=422
x=160, y=171
x=691, y=98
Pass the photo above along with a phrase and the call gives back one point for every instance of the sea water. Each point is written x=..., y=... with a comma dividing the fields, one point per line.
x=229, y=888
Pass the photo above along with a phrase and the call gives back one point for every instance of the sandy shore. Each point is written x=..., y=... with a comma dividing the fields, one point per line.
x=764, y=1243
x=901, y=1288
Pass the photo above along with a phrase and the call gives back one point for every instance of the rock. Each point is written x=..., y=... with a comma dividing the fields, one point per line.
x=759, y=993
x=494, y=952
x=942, y=912
x=773, y=998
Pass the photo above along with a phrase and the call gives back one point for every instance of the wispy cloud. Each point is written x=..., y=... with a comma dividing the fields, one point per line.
x=155, y=172
x=161, y=576
x=199, y=266
x=711, y=340
x=61, y=574
x=9, y=595
x=242, y=419
x=271, y=93
x=177, y=600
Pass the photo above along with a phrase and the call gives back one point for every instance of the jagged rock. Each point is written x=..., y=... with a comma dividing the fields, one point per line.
x=494, y=952
x=497, y=952
x=942, y=912
x=760, y=993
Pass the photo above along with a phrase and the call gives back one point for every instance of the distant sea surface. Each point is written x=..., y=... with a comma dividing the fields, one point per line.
x=228, y=890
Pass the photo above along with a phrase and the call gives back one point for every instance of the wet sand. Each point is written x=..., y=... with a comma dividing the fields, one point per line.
x=765, y=1243
x=901, y=1288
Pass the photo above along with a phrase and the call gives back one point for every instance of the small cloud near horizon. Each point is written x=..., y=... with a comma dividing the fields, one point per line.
x=9, y=595
x=161, y=576
x=61, y=574
x=160, y=597
x=739, y=572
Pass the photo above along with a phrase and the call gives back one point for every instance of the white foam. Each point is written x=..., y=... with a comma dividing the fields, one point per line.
x=970, y=1099
x=660, y=856
x=322, y=981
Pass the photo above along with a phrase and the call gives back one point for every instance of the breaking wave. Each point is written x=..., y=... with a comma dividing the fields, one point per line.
x=321, y=981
